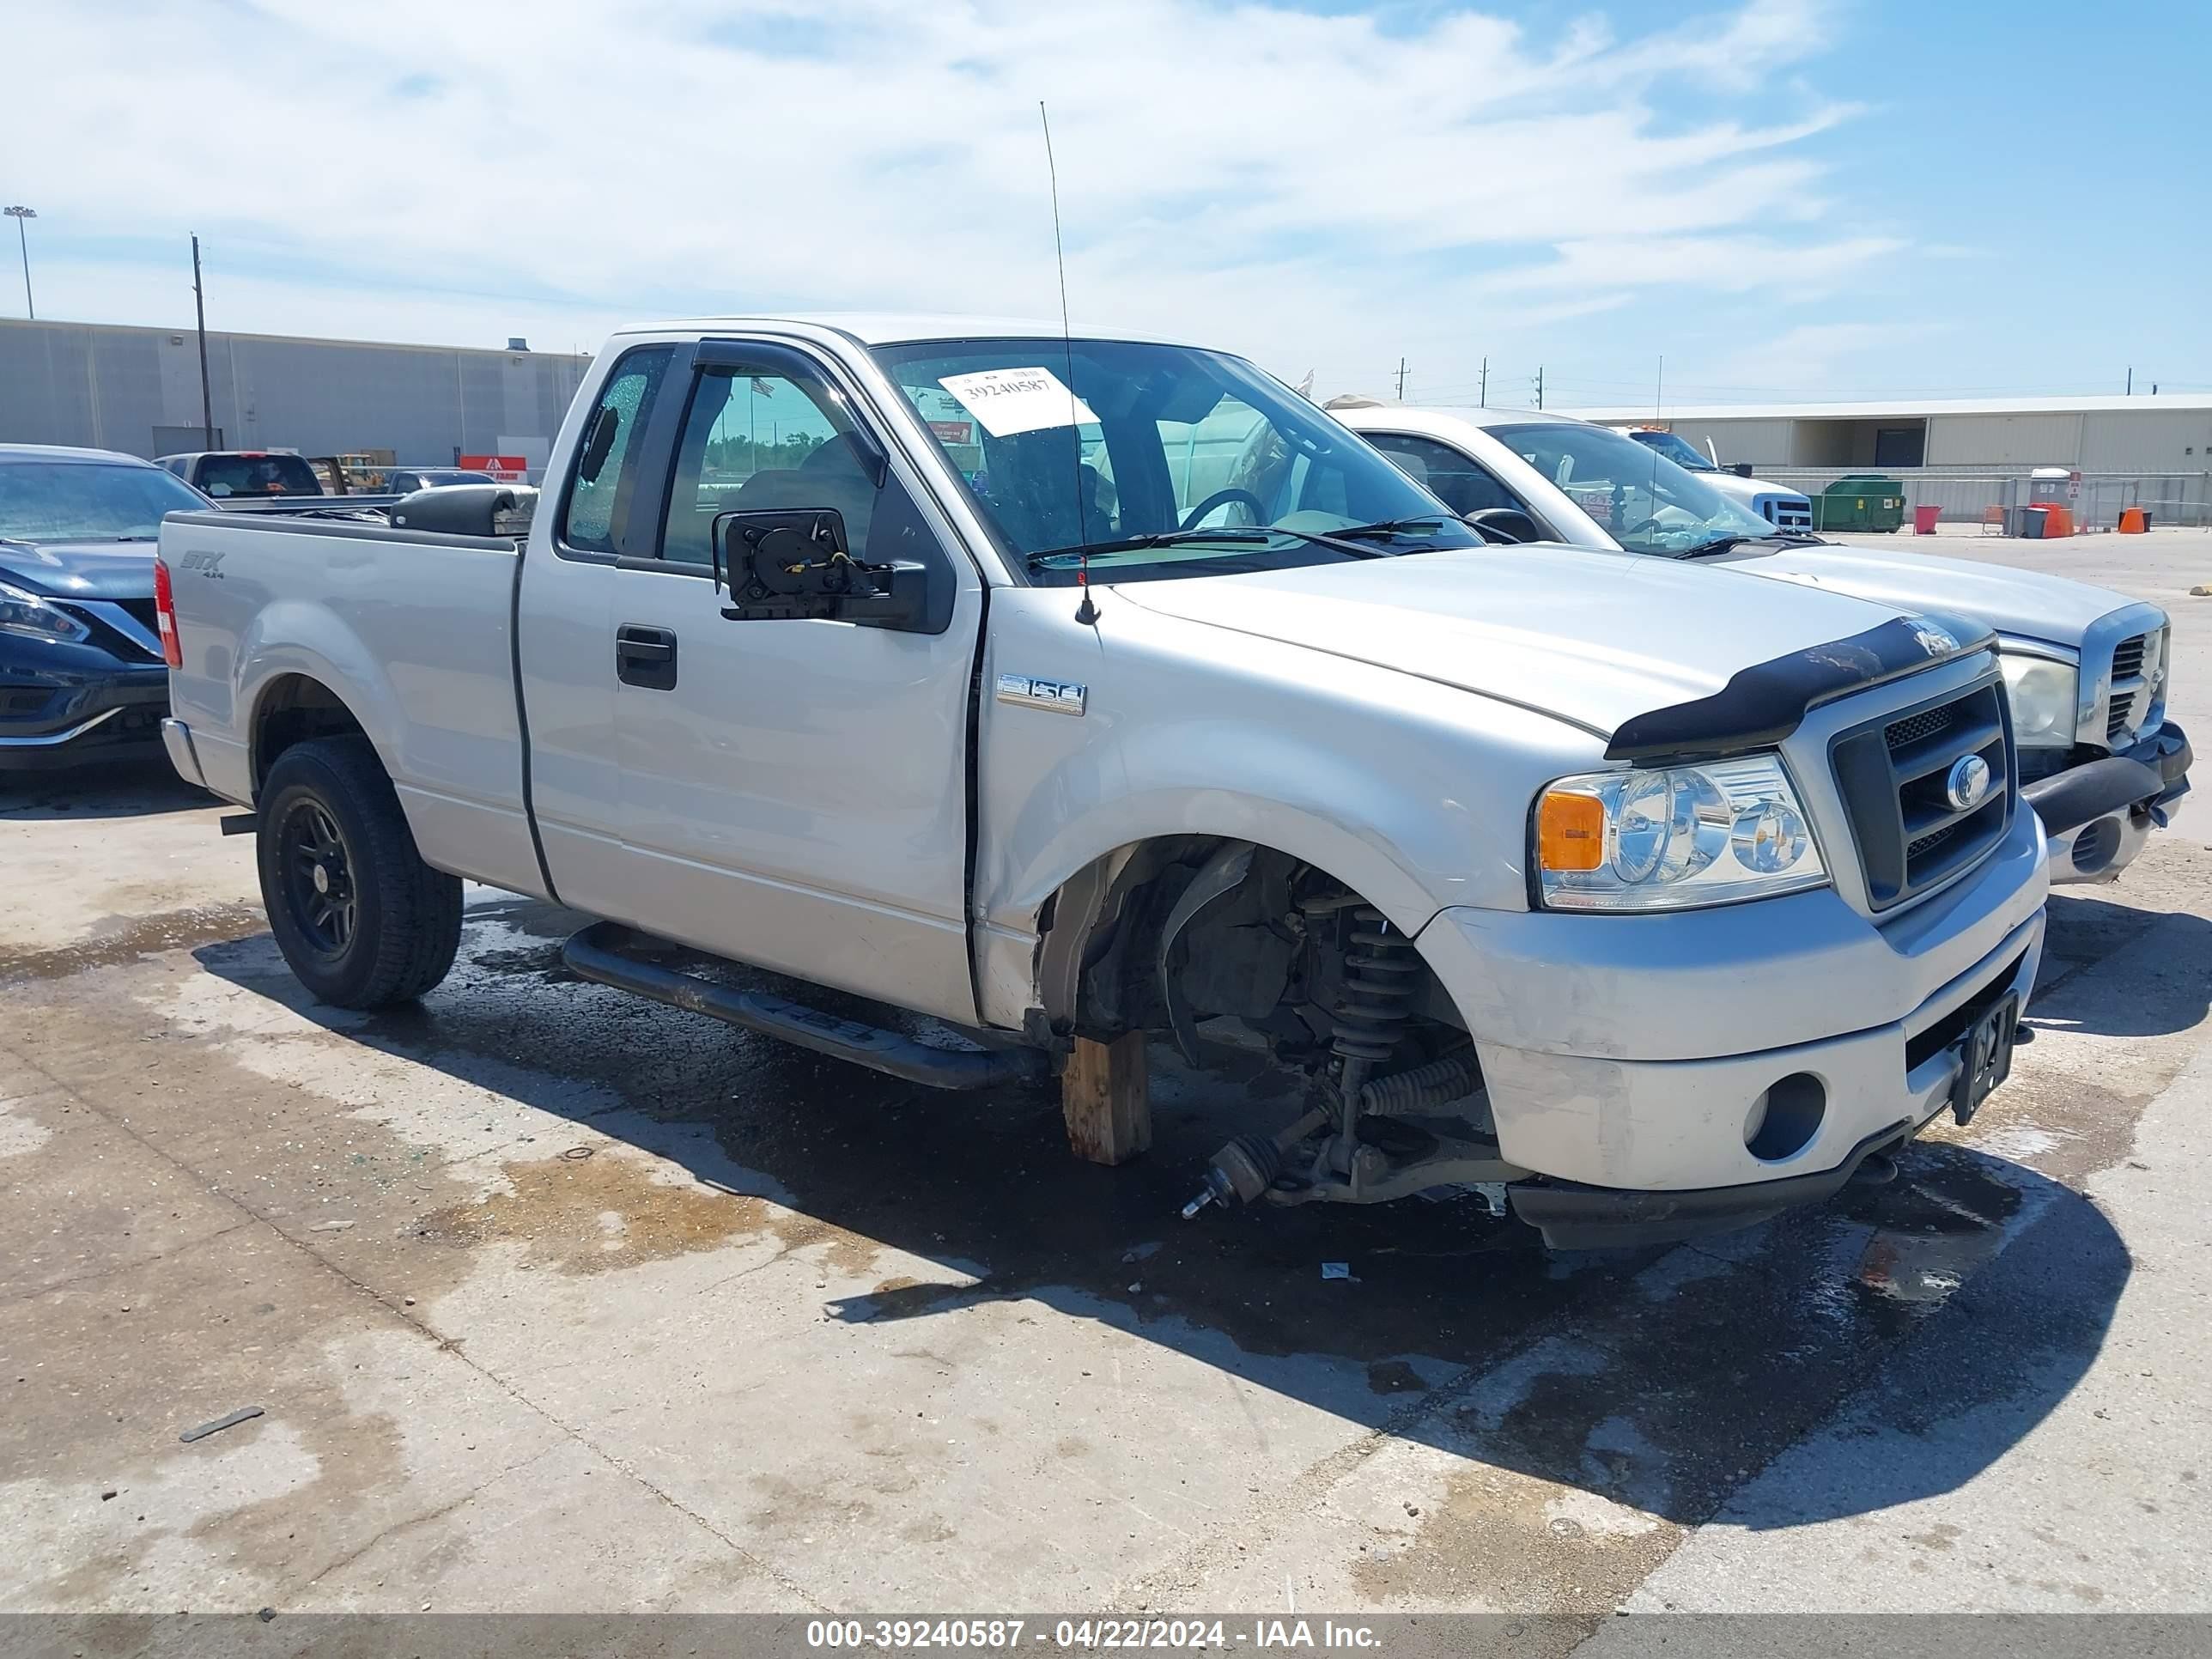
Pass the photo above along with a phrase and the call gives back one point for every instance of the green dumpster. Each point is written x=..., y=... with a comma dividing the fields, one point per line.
x=1861, y=504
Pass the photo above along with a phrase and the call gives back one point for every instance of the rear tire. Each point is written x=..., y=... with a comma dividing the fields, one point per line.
x=362, y=922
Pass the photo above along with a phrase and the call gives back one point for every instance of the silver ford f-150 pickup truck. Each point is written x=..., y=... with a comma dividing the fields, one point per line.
x=956, y=667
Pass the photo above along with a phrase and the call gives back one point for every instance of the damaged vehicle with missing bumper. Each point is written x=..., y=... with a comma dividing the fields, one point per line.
x=1049, y=692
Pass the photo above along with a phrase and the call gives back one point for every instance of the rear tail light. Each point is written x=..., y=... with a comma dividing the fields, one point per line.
x=164, y=616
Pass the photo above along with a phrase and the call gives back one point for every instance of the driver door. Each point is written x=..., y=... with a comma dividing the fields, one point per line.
x=793, y=793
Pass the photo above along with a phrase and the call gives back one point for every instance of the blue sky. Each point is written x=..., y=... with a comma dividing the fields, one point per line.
x=1784, y=198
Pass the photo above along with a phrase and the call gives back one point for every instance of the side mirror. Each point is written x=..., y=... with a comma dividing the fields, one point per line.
x=599, y=443
x=495, y=510
x=1741, y=469
x=1505, y=524
x=783, y=564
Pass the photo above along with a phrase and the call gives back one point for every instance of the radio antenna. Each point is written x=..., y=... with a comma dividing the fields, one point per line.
x=1085, y=613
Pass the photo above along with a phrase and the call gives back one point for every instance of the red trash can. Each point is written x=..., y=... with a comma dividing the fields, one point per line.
x=1924, y=519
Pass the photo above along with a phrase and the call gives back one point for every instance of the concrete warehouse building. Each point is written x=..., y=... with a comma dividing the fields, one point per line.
x=138, y=390
x=2170, y=433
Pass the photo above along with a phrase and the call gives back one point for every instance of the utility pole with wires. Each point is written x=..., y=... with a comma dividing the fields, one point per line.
x=199, y=308
x=1539, y=388
x=19, y=214
x=1401, y=379
x=1482, y=397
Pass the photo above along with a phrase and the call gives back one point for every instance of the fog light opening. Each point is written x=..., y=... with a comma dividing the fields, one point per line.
x=2094, y=848
x=1783, y=1120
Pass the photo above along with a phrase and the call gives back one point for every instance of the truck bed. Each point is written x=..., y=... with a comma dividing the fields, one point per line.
x=417, y=629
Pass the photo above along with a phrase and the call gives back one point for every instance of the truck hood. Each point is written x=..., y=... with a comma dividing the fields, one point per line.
x=2026, y=603
x=1744, y=491
x=80, y=570
x=1590, y=637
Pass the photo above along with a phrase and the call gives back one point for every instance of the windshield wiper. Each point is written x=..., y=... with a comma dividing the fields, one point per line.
x=1254, y=535
x=1384, y=529
x=1721, y=545
x=1724, y=544
x=1156, y=538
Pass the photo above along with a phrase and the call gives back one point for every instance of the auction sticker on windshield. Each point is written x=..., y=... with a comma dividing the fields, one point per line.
x=1010, y=400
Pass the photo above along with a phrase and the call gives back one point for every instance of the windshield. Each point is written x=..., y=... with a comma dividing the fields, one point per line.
x=1681, y=450
x=1638, y=497
x=257, y=475
x=1155, y=440
x=87, y=501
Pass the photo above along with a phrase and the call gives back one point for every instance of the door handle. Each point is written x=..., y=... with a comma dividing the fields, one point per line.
x=646, y=657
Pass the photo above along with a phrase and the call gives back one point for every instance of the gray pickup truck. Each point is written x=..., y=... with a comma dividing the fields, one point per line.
x=960, y=667
x=2085, y=670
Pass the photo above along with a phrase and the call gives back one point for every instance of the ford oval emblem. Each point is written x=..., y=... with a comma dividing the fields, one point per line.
x=1967, y=783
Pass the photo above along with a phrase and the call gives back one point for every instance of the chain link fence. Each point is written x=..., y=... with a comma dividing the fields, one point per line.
x=1967, y=493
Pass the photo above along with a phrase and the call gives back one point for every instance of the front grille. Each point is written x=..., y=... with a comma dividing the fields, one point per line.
x=1894, y=777
x=1787, y=514
x=2127, y=686
x=110, y=637
x=1899, y=734
x=1928, y=843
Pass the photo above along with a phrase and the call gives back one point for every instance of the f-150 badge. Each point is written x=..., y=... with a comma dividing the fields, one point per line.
x=1059, y=696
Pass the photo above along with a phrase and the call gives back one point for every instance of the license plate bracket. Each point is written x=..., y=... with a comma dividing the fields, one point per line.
x=1984, y=1058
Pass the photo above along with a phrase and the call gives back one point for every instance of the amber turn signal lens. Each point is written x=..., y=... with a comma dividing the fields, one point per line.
x=1570, y=831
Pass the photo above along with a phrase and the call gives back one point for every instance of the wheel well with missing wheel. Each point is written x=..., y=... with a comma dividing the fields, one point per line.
x=1164, y=937
x=1169, y=933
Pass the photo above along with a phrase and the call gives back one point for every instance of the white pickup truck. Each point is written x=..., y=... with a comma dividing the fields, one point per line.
x=1785, y=509
x=2085, y=670
x=916, y=660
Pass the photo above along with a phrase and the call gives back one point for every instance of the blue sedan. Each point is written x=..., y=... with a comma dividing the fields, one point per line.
x=82, y=678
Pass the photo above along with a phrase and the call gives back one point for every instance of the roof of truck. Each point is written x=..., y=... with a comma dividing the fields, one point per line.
x=875, y=328
x=66, y=452
x=1369, y=411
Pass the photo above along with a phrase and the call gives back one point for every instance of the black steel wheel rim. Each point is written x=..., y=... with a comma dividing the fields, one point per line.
x=318, y=878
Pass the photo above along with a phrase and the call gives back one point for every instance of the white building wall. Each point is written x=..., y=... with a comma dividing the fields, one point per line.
x=1763, y=443
x=2158, y=441
x=117, y=387
x=2036, y=439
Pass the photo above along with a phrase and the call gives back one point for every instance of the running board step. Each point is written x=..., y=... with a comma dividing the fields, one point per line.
x=596, y=953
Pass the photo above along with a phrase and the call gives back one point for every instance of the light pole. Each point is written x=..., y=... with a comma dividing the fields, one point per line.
x=19, y=214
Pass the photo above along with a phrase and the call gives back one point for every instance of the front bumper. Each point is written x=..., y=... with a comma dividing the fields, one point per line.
x=1641, y=1054
x=1573, y=1217
x=76, y=705
x=2097, y=816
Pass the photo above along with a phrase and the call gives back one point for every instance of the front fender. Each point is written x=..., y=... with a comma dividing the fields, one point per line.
x=1412, y=794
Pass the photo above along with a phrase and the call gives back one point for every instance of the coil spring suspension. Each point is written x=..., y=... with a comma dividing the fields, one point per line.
x=1378, y=990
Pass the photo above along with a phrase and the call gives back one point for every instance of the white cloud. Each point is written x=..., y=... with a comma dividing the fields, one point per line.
x=1814, y=353
x=1298, y=185
x=1726, y=264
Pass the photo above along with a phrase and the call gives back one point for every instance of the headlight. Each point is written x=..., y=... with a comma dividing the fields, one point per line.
x=1675, y=838
x=27, y=613
x=2043, y=694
